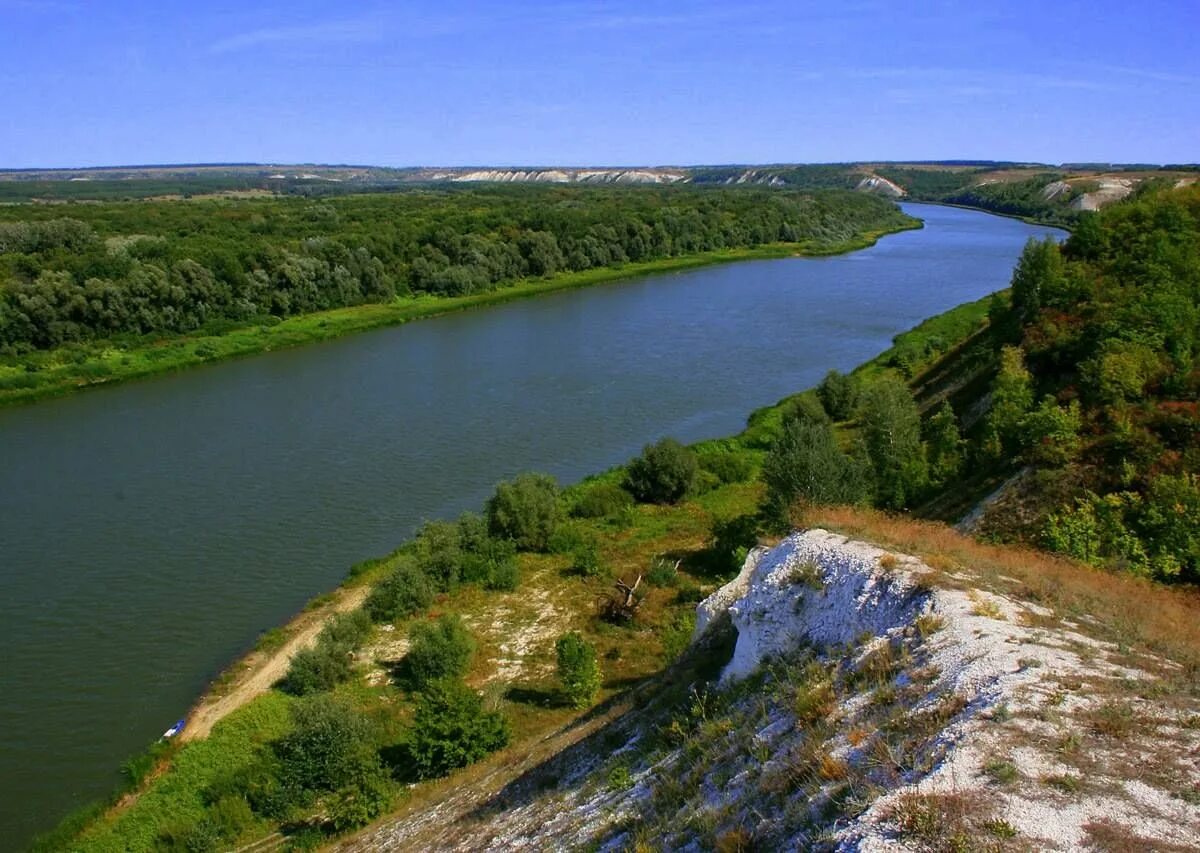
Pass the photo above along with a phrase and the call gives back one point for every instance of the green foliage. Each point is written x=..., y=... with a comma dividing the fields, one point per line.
x=1050, y=433
x=405, y=592
x=503, y=575
x=329, y=662
x=664, y=473
x=806, y=465
x=331, y=746
x=586, y=562
x=663, y=572
x=450, y=729
x=165, y=268
x=838, y=394
x=1012, y=397
x=1156, y=534
x=944, y=444
x=438, y=650
x=438, y=553
x=578, y=670
x=732, y=540
x=525, y=510
x=728, y=466
x=1039, y=279
x=891, y=430
x=602, y=500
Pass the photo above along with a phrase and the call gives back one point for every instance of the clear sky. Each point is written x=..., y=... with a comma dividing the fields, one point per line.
x=601, y=83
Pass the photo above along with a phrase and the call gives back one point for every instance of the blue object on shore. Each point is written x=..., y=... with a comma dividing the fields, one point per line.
x=175, y=729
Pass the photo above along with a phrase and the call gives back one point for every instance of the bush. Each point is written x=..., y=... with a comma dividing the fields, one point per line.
x=473, y=535
x=664, y=473
x=404, y=592
x=585, y=561
x=347, y=629
x=806, y=408
x=838, y=393
x=525, y=510
x=439, y=649
x=602, y=500
x=663, y=572
x=728, y=466
x=578, y=670
x=332, y=746
x=492, y=557
x=438, y=552
x=316, y=669
x=451, y=729
x=732, y=540
x=806, y=464
x=504, y=575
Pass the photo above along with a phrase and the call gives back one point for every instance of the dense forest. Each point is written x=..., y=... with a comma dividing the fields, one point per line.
x=85, y=272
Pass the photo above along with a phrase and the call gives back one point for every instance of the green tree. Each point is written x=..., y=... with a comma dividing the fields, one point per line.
x=525, y=510
x=451, y=729
x=945, y=445
x=578, y=671
x=839, y=395
x=405, y=592
x=331, y=746
x=805, y=464
x=891, y=431
x=1038, y=279
x=663, y=473
x=438, y=552
x=438, y=650
x=1050, y=433
x=1012, y=397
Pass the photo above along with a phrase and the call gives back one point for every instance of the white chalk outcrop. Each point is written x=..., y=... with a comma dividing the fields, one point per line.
x=881, y=186
x=815, y=587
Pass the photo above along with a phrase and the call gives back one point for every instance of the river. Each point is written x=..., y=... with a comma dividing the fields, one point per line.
x=149, y=532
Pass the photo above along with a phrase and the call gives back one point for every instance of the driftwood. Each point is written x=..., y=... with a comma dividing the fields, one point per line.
x=621, y=605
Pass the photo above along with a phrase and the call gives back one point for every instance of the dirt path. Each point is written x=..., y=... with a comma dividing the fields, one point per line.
x=260, y=671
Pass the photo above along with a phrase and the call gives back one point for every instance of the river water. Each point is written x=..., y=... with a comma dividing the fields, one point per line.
x=149, y=532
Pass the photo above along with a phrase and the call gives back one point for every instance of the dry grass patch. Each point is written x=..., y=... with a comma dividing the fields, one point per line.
x=1124, y=608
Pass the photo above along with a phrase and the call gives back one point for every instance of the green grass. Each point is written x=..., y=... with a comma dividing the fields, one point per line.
x=61, y=371
x=176, y=796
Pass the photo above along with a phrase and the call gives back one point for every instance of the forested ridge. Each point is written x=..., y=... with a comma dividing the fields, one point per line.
x=1080, y=393
x=98, y=271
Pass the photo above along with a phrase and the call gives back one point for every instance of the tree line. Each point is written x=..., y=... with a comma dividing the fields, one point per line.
x=86, y=272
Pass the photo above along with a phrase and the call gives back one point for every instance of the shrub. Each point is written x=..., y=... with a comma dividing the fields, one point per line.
x=401, y=594
x=804, y=407
x=838, y=393
x=728, y=466
x=663, y=473
x=663, y=572
x=945, y=445
x=347, y=629
x=488, y=561
x=438, y=552
x=578, y=671
x=585, y=561
x=473, y=535
x=316, y=669
x=504, y=575
x=602, y=500
x=439, y=649
x=806, y=464
x=332, y=746
x=451, y=729
x=525, y=510
x=732, y=540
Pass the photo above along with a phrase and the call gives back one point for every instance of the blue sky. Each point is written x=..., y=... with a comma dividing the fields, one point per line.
x=602, y=83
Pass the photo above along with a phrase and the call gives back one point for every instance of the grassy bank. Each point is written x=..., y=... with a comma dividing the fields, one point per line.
x=47, y=374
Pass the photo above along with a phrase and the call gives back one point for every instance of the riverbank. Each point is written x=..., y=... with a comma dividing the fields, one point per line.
x=59, y=372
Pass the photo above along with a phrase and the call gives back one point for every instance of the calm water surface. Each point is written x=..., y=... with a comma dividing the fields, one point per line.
x=150, y=531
